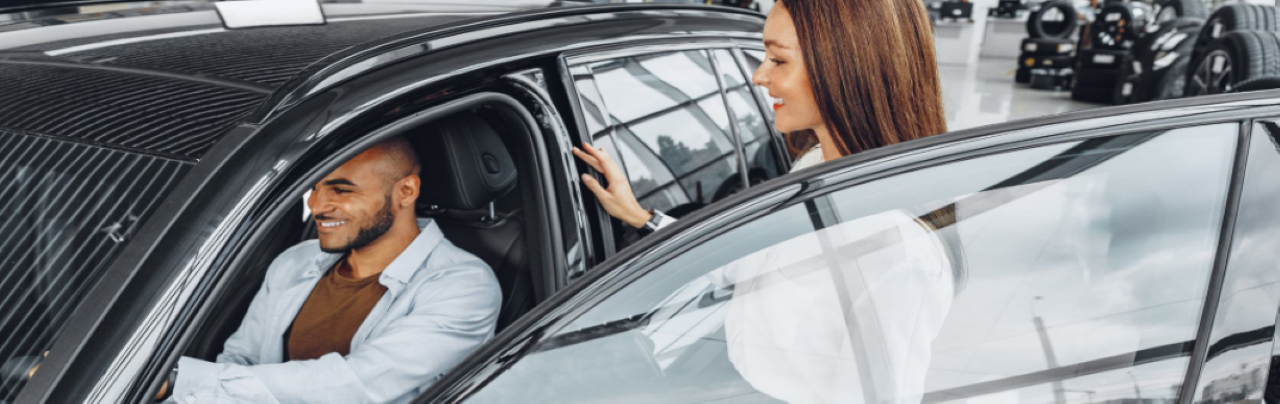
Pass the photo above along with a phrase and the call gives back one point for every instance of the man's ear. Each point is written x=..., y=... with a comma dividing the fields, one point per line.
x=407, y=190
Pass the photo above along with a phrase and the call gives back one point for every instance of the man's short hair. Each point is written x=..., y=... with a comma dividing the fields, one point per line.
x=402, y=155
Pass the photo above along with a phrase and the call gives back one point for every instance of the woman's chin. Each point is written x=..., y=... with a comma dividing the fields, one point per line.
x=785, y=125
x=789, y=129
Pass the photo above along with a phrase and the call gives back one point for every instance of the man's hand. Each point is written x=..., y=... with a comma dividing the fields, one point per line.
x=31, y=373
x=164, y=390
x=617, y=199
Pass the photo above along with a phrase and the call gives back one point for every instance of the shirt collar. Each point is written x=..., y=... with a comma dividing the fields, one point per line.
x=405, y=265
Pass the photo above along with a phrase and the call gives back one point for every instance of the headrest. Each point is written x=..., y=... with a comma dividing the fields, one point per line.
x=464, y=163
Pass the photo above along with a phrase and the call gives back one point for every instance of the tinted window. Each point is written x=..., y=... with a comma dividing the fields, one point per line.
x=763, y=159
x=1240, y=346
x=67, y=210
x=1072, y=272
x=672, y=128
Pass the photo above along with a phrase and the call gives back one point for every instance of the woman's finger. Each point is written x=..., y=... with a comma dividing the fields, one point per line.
x=595, y=187
x=607, y=166
x=586, y=158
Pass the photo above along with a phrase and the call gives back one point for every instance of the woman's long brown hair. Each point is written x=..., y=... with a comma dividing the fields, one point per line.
x=874, y=74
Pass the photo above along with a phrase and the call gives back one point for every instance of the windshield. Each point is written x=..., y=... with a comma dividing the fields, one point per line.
x=67, y=209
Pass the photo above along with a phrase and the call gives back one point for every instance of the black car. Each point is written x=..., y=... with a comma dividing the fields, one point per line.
x=153, y=160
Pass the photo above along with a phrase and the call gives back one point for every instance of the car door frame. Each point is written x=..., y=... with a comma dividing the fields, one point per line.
x=238, y=199
x=518, y=340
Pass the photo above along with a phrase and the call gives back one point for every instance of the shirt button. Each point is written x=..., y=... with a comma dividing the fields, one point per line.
x=191, y=398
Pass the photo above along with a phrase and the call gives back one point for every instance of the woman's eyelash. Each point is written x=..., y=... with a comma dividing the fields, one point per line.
x=775, y=61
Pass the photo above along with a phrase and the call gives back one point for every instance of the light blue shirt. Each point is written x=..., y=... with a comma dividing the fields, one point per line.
x=441, y=303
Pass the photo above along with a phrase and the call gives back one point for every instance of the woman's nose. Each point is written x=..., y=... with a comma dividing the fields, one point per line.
x=759, y=77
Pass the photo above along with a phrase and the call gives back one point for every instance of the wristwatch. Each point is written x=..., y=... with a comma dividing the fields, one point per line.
x=657, y=220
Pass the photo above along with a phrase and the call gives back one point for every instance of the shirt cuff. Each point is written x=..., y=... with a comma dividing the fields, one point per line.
x=661, y=220
x=197, y=382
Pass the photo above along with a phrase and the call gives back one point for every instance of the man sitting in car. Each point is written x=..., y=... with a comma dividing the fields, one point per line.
x=373, y=312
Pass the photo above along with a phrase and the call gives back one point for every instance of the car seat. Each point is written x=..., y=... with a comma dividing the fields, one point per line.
x=467, y=172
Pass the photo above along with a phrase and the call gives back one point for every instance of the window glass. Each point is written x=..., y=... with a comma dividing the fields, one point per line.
x=67, y=209
x=651, y=179
x=763, y=157
x=673, y=126
x=591, y=104
x=752, y=59
x=1072, y=273
x=1240, y=358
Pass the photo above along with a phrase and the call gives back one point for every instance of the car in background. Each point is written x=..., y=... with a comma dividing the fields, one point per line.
x=153, y=160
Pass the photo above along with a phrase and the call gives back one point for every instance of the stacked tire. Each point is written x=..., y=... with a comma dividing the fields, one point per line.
x=1044, y=53
x=1238, y=45
x=1048, y=48
x=1105, y=76
x=1162, y=58
x=1119, y=24
x=1170, y=10
x=1108, y=72
x=1258, y=84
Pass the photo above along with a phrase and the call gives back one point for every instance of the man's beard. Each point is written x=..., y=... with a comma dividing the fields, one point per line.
x=381, y=224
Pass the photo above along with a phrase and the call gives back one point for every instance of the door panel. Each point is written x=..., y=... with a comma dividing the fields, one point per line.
x=1241, y=342
x=1072, y=272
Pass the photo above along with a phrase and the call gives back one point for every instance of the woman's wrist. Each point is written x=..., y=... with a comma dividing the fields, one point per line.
x=639, y=218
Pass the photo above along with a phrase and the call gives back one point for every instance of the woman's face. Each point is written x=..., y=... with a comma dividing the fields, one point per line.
x=784, y=76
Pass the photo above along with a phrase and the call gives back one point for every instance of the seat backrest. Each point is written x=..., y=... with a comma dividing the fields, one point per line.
x=466, y=168
x=500, y=243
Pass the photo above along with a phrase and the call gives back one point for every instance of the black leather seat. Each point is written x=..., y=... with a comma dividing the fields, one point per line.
x=467, y=173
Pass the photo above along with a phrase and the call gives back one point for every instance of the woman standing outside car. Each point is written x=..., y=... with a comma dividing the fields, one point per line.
x=852, y=75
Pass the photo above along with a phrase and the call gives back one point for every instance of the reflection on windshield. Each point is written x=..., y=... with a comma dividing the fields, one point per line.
x=1068, y=273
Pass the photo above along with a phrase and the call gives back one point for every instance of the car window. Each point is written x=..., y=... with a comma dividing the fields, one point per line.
x=671, y=127
x=1242, y=350
x=764, y=161
x=1072, y=272
x=751, y=60
x=67, y=209
x=650, y=178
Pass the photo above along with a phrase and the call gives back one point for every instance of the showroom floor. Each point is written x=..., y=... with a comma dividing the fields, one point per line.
x=986, y=94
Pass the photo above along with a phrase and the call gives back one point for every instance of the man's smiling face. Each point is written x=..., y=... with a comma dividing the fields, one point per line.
x=353, y=205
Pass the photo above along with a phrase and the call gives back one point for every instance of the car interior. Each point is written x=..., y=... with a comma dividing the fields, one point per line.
x=472, y=188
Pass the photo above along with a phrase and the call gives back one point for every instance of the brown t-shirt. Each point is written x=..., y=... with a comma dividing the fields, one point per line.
x=332, y=314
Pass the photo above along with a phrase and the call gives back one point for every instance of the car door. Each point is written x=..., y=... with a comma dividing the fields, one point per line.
x=682, y=121
x=1071, y=268
x=1241, y=359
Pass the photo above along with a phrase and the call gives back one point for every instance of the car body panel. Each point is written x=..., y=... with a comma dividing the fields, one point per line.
x=867, y=166
x=323, y=108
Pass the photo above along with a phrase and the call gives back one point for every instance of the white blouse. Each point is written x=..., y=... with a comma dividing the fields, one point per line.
x=788, y=333
x=810, y=158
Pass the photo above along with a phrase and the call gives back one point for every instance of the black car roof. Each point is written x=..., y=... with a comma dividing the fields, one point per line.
x=170, y=80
